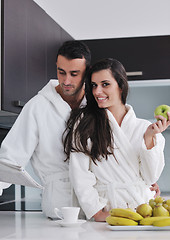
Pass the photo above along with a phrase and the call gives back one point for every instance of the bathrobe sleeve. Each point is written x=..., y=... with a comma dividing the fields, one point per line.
x=19, y=144
x=83, y=181
x=152, y=160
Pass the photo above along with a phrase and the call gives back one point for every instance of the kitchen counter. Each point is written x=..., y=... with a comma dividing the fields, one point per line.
x=33, y=225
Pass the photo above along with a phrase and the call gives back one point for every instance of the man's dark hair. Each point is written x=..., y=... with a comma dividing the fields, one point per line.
x=75, y=49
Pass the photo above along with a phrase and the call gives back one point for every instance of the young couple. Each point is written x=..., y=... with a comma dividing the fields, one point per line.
x=113, y=157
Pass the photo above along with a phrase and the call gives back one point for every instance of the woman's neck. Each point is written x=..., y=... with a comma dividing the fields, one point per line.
x=118, y=112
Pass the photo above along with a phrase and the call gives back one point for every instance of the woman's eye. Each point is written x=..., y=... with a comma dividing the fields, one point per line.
x=93, y=85
x=105, y=84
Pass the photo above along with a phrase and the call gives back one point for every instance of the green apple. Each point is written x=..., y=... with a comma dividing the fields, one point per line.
x=162, y=110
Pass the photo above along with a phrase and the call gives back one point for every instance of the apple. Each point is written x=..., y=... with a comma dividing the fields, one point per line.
x=162, y=110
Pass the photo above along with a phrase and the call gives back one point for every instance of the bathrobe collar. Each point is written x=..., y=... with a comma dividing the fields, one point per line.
x=128, y=120
x=50, y=93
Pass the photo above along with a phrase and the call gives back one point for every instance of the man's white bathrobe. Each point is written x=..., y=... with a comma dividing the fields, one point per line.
x=125, y=183
x=36, y=136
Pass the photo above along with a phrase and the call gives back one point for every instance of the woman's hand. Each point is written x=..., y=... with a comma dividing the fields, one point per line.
x=157, y=127
x=155, y=187
x=101, y=216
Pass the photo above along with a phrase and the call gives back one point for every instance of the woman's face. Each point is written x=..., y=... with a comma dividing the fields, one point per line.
x=105, y=89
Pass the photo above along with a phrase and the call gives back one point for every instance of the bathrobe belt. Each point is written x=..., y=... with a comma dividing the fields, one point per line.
x=130, y=187
x=57, y=177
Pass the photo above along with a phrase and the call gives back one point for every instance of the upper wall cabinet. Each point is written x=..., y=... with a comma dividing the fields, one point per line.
x=143, y=57
x=30, y=41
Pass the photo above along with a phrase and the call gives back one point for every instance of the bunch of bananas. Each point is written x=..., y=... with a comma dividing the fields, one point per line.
x=156, y=213
x=123, y=217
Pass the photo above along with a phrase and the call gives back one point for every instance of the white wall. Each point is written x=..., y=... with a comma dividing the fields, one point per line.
x=94, y=19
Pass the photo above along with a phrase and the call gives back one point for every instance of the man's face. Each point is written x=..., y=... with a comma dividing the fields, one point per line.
x=70, y=74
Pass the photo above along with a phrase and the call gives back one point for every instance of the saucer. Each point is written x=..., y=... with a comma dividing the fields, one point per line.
x=74, y=224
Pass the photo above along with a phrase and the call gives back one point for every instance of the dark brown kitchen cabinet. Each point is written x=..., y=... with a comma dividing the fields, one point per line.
x=36, y=48
x=144, y=57
x=14, y=52
x=53, y=42
x=30, y=41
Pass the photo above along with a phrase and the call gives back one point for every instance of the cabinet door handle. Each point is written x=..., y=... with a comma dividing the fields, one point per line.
x=137, y=73
x=19, y=103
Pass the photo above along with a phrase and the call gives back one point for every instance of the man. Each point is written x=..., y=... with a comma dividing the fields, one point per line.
x=36, y=135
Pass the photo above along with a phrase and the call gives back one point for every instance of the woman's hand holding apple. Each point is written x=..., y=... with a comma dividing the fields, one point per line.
x=154, y=128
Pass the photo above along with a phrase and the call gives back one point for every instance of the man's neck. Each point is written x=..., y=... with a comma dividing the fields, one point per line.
x=74, y=100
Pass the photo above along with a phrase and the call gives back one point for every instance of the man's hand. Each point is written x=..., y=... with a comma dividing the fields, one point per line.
x=155, y=188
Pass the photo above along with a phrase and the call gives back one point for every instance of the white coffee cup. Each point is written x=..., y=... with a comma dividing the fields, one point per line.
x=68, y=214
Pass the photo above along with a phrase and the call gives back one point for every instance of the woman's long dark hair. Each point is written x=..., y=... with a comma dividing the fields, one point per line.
x=91, y=122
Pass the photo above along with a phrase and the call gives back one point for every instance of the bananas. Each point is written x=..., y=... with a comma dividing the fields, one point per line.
x=127, y=217
x=125, y=213
x=162, y=222
x=120, y=221
x=151, y=220
x=155, y=213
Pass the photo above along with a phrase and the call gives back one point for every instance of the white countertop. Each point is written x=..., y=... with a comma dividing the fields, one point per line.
x=33, y=225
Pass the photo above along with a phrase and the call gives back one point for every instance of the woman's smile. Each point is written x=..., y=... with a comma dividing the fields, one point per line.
x=101, y=99
x=106, y=90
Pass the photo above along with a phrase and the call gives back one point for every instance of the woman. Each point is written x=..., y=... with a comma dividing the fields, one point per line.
x=114, y=156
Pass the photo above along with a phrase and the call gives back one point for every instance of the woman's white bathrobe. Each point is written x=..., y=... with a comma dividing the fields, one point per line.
x=37, y=136
x=125, y=183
